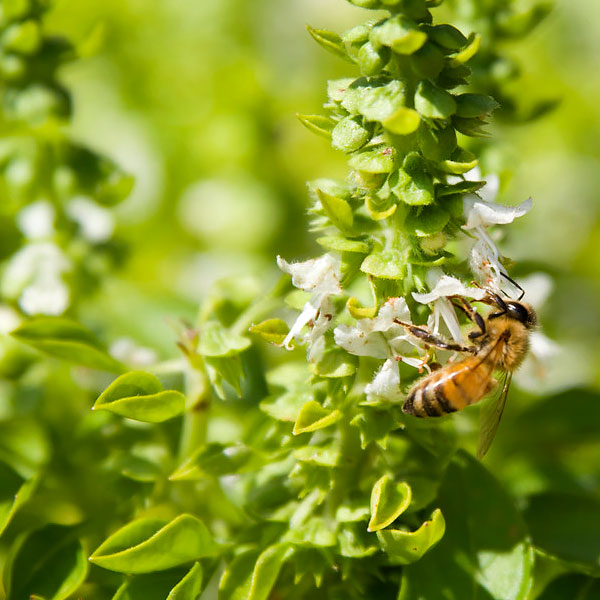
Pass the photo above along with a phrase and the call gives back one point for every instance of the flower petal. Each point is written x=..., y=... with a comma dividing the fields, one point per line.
x=479, y=213
x=320, y=275
x=386, y=383
x=361, y=343
x=449, y=286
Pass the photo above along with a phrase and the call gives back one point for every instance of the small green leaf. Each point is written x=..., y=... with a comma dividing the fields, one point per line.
x=49, y=562
x=334, y=363
x=387, y=264
x=380, y=210
x=330, y=41
x=412, y=183
x=355, y=542
x=271, y=330
x=68, y=340
x=371, y=61
x=388, y=501
x=337, y=209
x=356, y=37
x=467, y=53
x=140, y=396
x=150, y=544
x=352, y=511
x=337, y=88
x=287, y=406
x=474, y=105
x=174, y=584
x=340, y=244
x=399, y=33
x=462, y=187
x=427, y=220
x=225, y=369
x=460, y=162
x=215, y=460
x=14, y=492
x=324, y=456
x=379, y=159
x=249, y=577
x=190, y=586
x=317, y=124
x=313, y=416
x=403, y=122
x=405, y=547
x=434, y=102
x=349, y=134
x=374, y=100
x=428, y=61
x=217, y=341
x=447, y=36
x=436, y=143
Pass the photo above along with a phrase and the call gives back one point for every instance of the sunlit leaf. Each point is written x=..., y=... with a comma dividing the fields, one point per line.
x=388, y=501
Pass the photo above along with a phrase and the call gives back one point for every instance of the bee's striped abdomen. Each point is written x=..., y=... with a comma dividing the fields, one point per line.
x=448, y=390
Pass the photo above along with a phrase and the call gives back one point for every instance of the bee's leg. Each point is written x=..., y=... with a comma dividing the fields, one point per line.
x=473, y=315
x=433, y=340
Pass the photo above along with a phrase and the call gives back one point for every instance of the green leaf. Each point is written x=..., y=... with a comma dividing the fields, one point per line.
x=334, y=363
x=434, y=102
x=427, y=220
x=462, y=187
x=330, y=41
x=412, y=183
x=49, y=562
x=287, y=406
x=461, y=162
x=324, y=456
x=399, y=33
x=313, y=416
x=337, y=209
x=379, y=159
x=23, y=38
x=355, y=38
x=317, y=124
x=338, y=88
x=214, y=459
x=355, y=542
x=370, y=60
x=485, y=552
x=405, y=547
x=475, y=105
x=175, y=584
x=574, y=534
x=387, y=264
x=24, y=445
x=340, y=244
x=14, y=492
x=388, y=501
x=467, y=53
x=217, y=341
x=375, y=100
x=67, y=340
x=140, y=396
x=250, y=578
x=447, y=36
x=273, y=331
x=403, y=122
x=150, y=544
x=436, y=143
x=349, y=134
x=428, y=61
x=225, y=369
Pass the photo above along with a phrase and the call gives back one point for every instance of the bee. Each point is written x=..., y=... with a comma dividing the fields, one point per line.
x=498, y=343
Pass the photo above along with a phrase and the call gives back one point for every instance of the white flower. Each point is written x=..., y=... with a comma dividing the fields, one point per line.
x=442, y=307
x=386, y=383
x=321, y=277
x=34, y=277
x=36, y=220
x=9, y=318
x=484, y=258
x=377, y=337
x=96, y=223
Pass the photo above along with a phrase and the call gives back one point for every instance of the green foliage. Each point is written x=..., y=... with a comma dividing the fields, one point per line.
x=222, y=467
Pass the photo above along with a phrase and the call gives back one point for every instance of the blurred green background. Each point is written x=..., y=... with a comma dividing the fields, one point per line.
x=198, y=101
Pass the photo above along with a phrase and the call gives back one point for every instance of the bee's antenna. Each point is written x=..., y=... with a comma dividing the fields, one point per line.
x=514, y=283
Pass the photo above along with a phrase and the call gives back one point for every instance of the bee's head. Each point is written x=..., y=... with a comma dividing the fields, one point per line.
x=522, y=313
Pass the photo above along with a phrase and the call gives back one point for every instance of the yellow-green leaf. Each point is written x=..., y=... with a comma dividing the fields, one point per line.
x=388, y=501
x=313, y=416
x=271, y=330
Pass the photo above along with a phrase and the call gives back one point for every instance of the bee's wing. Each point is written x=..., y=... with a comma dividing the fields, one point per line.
x=490, y=417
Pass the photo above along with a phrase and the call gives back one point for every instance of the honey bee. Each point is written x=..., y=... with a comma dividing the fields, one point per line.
x=499, y=343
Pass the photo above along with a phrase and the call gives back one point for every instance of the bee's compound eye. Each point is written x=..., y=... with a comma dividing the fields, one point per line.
x=521, y=313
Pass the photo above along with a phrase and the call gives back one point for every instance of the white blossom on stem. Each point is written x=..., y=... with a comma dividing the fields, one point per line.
x=320, y=277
